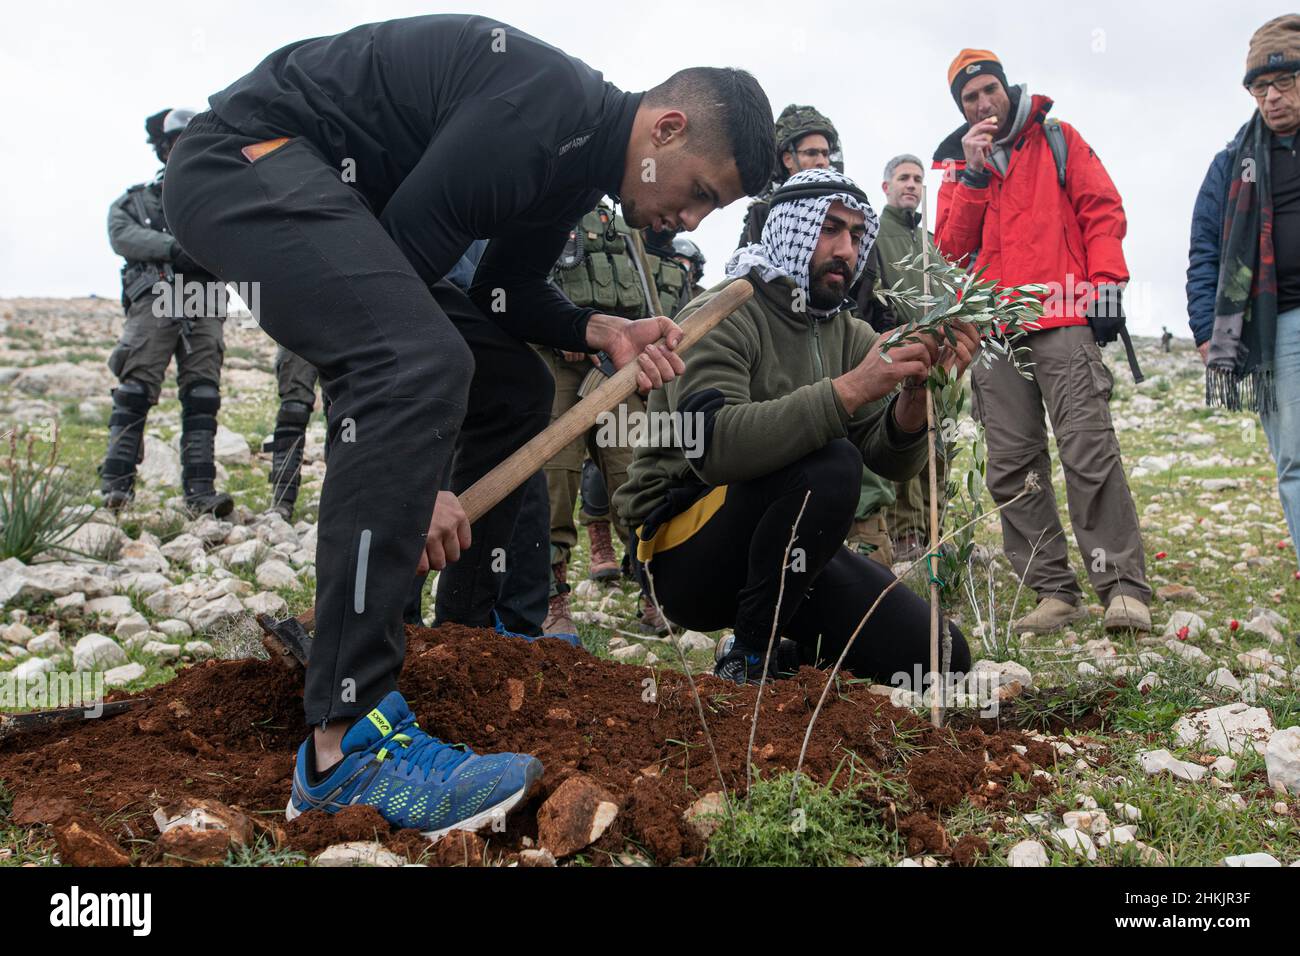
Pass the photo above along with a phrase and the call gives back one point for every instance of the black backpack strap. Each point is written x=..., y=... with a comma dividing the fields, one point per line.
x=1056, y=141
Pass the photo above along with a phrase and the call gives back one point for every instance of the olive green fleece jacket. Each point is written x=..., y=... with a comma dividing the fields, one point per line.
x=898, y=239
x=760, y=383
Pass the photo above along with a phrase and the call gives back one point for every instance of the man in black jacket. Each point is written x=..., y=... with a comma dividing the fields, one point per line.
x=347, y=175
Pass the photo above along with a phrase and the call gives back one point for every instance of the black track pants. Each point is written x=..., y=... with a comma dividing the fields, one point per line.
x=394, y=365
x=525, y=587
x=728, y=573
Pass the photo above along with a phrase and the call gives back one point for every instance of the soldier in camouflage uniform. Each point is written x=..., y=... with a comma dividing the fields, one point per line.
x=805, y=139
x=599, y=269
x=692, y=259
x=156, y=330
x=295, y=379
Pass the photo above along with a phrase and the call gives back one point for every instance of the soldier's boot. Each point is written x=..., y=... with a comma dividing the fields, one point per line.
x=131, y=406
x=909, y=547
x=652, y=620
x=199, y=405
x=604, y=563
x=286, y=448
x=558, y=618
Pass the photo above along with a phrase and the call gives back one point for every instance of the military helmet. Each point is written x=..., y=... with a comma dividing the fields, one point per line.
x=164, y=126
x=796, y=122
x=659, y=242
x=689, y=250
x=176, y=120
x=153, y=125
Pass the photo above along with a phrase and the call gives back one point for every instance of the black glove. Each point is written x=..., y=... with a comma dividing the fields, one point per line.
x=1106, y=313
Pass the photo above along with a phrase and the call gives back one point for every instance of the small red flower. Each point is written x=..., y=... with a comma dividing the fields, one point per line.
x=1281, y=545
x=1160, y=556
x=1183, y=632
x=1234, y=624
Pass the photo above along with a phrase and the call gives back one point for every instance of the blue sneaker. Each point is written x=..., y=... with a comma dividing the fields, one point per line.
x=413, y=779
x=570, y=639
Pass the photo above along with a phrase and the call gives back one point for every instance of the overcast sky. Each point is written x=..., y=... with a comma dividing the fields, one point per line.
x=1155, y=88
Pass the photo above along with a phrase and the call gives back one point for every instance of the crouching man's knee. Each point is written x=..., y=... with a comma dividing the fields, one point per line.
x=833, y=475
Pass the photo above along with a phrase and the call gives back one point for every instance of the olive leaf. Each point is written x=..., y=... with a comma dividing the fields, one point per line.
x=1001, y=315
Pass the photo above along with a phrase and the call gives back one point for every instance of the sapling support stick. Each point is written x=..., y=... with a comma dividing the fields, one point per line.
x=936, y=706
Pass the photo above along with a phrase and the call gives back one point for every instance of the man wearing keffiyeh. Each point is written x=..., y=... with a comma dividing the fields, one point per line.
x=792, y=397
x=1243, y=274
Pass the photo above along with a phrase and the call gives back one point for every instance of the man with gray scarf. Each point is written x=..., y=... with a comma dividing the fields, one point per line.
x=1026, y=200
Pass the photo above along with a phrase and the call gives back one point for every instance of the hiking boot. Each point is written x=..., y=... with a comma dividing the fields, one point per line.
x=412, y=779
x=1052, y=614
x=909, y=547
x=742, y=666
x=558, y=618
x=1127, y=613
x=604, y=563
x=651, y=621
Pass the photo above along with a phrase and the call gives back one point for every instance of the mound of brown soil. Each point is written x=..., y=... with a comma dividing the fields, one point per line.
x=228, y=731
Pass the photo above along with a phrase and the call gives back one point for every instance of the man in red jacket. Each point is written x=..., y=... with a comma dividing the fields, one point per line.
x=1038, y=207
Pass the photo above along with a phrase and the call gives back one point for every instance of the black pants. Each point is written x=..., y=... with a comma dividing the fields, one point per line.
x=402, y=366
x=525, y=585
x=728, y=573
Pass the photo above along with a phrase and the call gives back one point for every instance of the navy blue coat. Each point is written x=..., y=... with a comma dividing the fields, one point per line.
x=1207, y=237
x=1203, y=257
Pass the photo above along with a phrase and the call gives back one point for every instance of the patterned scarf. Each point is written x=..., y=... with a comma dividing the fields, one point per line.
x=792, y=229
x=1239, y=368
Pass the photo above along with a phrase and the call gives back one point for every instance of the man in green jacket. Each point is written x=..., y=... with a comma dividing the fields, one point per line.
x=901, y=235
x=779, y=408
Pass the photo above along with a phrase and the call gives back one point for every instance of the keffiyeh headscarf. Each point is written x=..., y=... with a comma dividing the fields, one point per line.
x=793, y=226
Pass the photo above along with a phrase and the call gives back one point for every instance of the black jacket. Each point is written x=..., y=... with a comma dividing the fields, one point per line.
x=457, y=127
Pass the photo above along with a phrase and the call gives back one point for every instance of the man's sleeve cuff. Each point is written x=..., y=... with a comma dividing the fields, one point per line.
x=899, y=439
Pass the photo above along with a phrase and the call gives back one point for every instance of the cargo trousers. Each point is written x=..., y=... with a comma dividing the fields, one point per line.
x=1074, y=385
x=295, y=378
x=148, y=344
x=564, y=471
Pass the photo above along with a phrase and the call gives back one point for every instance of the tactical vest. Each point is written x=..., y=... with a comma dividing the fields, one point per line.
x=672, y=281
x=597, y=270
x=143, y=202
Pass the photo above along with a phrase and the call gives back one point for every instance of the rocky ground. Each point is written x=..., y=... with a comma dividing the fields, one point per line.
x=1178, y=747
